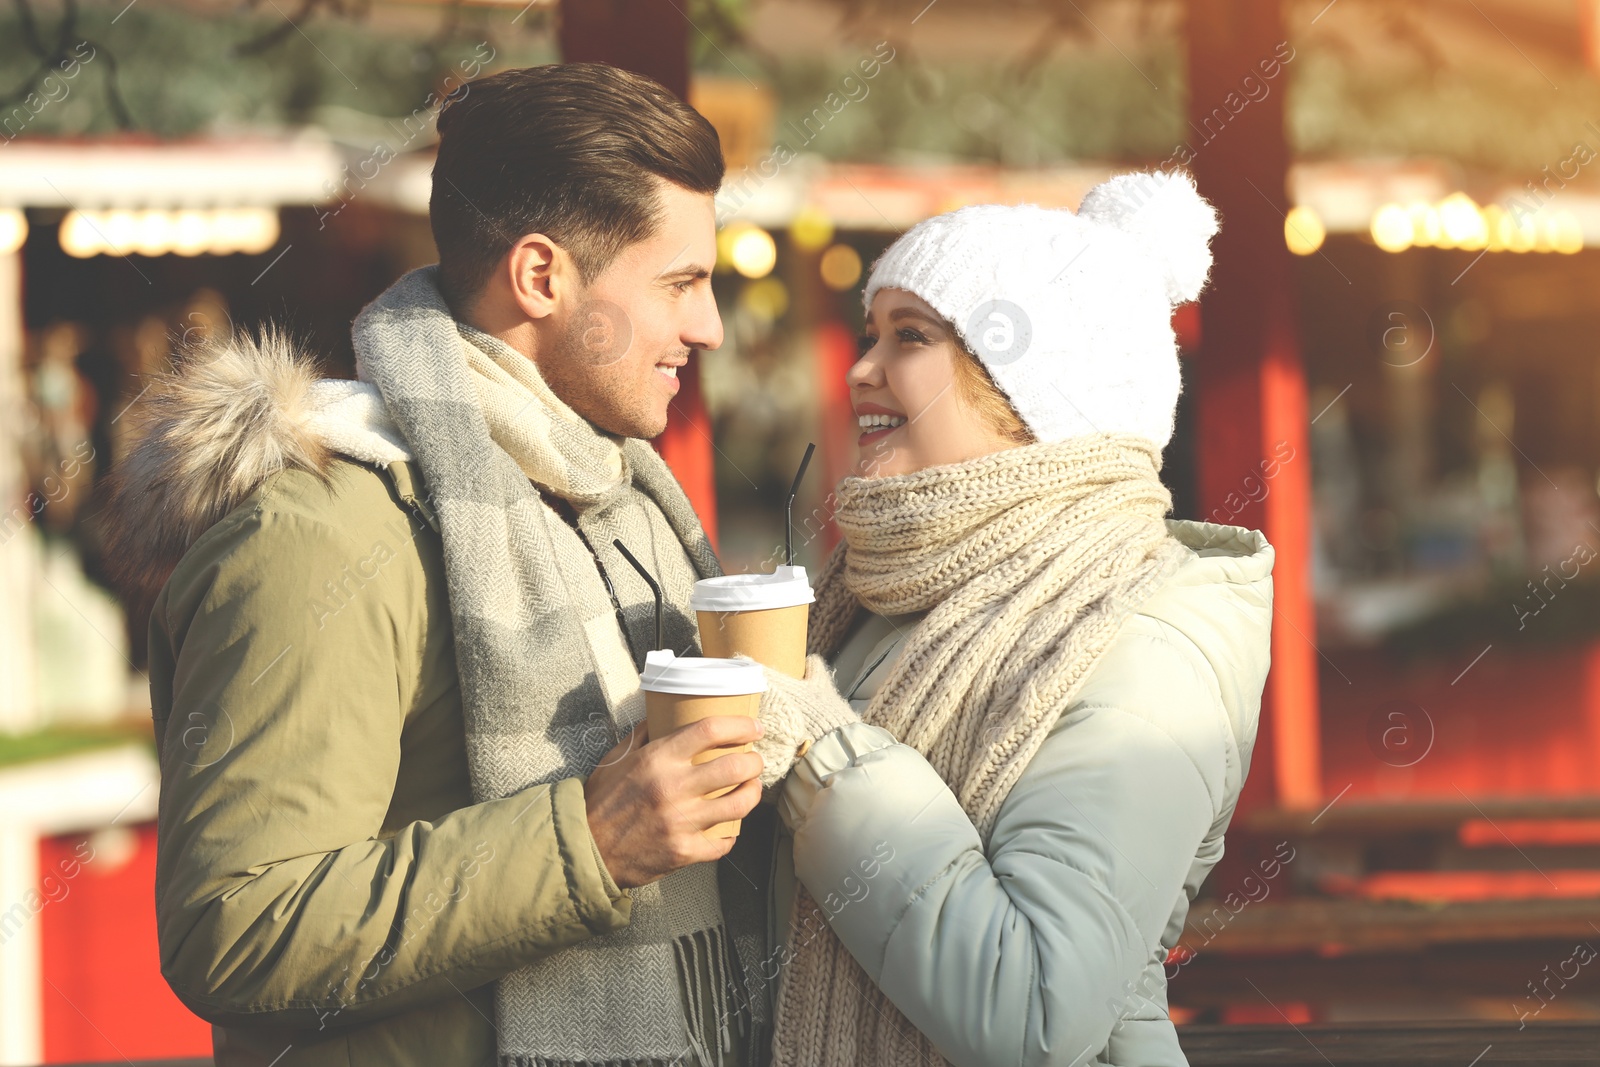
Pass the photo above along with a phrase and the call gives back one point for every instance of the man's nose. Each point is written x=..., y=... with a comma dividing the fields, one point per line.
x=704, y=330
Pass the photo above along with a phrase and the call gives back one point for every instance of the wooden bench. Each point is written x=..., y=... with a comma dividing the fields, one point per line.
x=1334, y=926
x=1432, y=1044
x=1370, y=819
x=1437, y=1044
x=1316, y=950
x=1445, y=1044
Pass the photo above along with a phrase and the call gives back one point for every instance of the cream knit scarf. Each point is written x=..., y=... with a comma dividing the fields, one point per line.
x=1027, y=561
x=548, y=649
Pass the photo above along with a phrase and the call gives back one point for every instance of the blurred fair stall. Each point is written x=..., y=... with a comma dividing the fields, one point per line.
x=64, y=637
x=68, y=818
x=78, y=790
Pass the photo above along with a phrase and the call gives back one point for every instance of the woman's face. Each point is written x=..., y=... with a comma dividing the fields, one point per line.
x=903, y=390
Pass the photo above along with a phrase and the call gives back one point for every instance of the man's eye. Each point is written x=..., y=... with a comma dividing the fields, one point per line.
x=684, y=286
x=864, y=344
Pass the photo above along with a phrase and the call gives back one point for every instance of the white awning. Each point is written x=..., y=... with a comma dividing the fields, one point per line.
x=187, y=174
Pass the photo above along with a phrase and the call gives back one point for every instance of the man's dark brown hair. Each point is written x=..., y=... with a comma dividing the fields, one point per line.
x=569, y=150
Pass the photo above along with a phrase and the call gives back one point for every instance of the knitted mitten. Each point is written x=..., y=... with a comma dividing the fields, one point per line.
x=795, y=712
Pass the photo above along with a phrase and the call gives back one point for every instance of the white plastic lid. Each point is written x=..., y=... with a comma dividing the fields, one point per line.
x=785, y=587
x=702, y=676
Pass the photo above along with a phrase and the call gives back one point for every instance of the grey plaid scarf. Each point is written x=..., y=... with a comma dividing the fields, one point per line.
x=548, y=678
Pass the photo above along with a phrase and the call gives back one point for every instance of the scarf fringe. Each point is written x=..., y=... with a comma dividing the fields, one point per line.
x=705, y=952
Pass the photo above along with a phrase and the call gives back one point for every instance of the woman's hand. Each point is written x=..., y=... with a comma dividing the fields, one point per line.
x=795, y=712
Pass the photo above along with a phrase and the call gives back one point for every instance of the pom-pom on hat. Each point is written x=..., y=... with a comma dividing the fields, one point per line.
x=1070, y=313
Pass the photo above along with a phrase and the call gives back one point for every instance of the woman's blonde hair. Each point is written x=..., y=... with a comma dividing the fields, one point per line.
x=979, y=392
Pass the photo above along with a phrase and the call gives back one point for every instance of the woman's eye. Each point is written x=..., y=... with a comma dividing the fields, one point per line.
x=864, y=344
x=910, y=336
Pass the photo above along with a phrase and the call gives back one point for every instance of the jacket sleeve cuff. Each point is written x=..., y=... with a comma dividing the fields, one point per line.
x=828, y=755
x=601, y=904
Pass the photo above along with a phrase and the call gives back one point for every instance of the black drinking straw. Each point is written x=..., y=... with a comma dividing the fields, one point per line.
x=655, y=587
x=788, y=509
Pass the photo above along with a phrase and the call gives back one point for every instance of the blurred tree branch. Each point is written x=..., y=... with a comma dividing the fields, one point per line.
x=52, y=56
x=291, y=23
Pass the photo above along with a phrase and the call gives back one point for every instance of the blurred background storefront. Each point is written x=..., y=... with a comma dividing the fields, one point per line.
x=1394, y=375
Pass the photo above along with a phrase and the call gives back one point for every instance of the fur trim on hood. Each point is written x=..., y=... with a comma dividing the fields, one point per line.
x=206, y=434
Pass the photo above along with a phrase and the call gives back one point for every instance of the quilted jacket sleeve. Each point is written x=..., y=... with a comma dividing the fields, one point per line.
x=1024, y=952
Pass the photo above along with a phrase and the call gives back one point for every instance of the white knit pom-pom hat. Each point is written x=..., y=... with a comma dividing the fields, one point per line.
x=1070, y=313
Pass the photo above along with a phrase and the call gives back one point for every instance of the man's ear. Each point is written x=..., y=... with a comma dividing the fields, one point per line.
x=540, y=274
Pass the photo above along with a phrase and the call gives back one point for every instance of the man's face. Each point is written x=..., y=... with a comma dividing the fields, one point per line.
x=622, y=340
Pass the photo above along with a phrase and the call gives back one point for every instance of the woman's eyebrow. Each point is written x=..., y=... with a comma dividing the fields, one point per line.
x=913, y=313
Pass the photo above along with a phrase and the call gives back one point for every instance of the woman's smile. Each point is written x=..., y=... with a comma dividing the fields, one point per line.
x=876, y=422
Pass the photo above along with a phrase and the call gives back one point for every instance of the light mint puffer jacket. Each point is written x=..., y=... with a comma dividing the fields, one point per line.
x=1048, y=946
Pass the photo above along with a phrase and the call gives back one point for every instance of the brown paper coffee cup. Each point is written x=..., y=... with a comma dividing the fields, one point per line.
x=775, y=637
x=678, y=692
x=762, y=616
